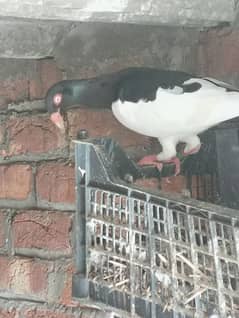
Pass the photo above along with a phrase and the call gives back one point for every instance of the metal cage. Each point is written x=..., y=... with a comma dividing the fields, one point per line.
x=147, y=253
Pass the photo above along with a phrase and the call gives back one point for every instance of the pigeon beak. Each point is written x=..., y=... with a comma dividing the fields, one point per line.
x=57, y=119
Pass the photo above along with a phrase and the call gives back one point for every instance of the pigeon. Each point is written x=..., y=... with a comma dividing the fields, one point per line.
x=172, y=106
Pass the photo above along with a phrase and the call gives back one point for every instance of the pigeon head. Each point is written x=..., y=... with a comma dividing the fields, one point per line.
x=55, y=104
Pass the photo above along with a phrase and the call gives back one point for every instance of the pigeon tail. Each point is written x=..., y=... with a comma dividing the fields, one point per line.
x=228, y=107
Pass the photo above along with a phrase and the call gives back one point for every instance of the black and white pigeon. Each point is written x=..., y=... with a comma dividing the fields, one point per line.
x=172, y=106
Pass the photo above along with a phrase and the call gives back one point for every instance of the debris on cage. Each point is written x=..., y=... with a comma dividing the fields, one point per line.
x=149, y=254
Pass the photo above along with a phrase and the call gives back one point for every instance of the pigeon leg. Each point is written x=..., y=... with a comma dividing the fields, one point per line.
x=152, y=160
x=193, y=145
x=168, y=155
x=177, y=164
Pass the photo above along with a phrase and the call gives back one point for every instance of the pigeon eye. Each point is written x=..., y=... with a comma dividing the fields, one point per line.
x=57, y=99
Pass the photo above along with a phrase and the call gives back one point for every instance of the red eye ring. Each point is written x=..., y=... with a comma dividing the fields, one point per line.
x=57, y=99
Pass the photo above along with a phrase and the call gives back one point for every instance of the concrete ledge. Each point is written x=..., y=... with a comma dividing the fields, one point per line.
x=170, y=12
x=34, y=29
x=30, y=39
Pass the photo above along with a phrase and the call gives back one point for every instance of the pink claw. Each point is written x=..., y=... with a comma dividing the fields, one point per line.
x=152, y=160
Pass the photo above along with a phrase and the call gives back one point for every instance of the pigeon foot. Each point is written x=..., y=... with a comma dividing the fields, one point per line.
x=152, y=160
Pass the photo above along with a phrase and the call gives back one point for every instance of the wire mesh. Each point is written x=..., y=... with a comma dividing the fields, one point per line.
x=154, y=256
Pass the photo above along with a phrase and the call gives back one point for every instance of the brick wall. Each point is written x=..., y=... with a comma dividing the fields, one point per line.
x=218, y=54
x=37, y=196
x=37, y=192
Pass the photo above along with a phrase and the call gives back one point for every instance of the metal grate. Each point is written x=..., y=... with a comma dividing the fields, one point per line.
x=152, y=255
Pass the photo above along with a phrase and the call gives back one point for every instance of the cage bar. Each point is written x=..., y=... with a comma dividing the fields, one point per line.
x=149, y=254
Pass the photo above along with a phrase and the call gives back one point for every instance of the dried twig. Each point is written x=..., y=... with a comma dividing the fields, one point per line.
x=162, y=258
x=195, y=293
x=117, y=264
x=190, y=264
x=121, y=283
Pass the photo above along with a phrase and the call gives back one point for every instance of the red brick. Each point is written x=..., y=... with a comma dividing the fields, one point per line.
x=174, y=184
x=42, y=230
x=13, y=90
x=49, y=74
x=4, y=101
x=35, y=89
x=33, y=135
x=2, y=132
x=152, y=183
x=9, y=313
x=66, y=297
x=38, y=278
x=29, y=79
x=39, y=313
x=218, y=54
x=24, y=276
x=2, y=228
x=100, y=124
x=15, y=181
x=56, y=183
x=4, y=265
